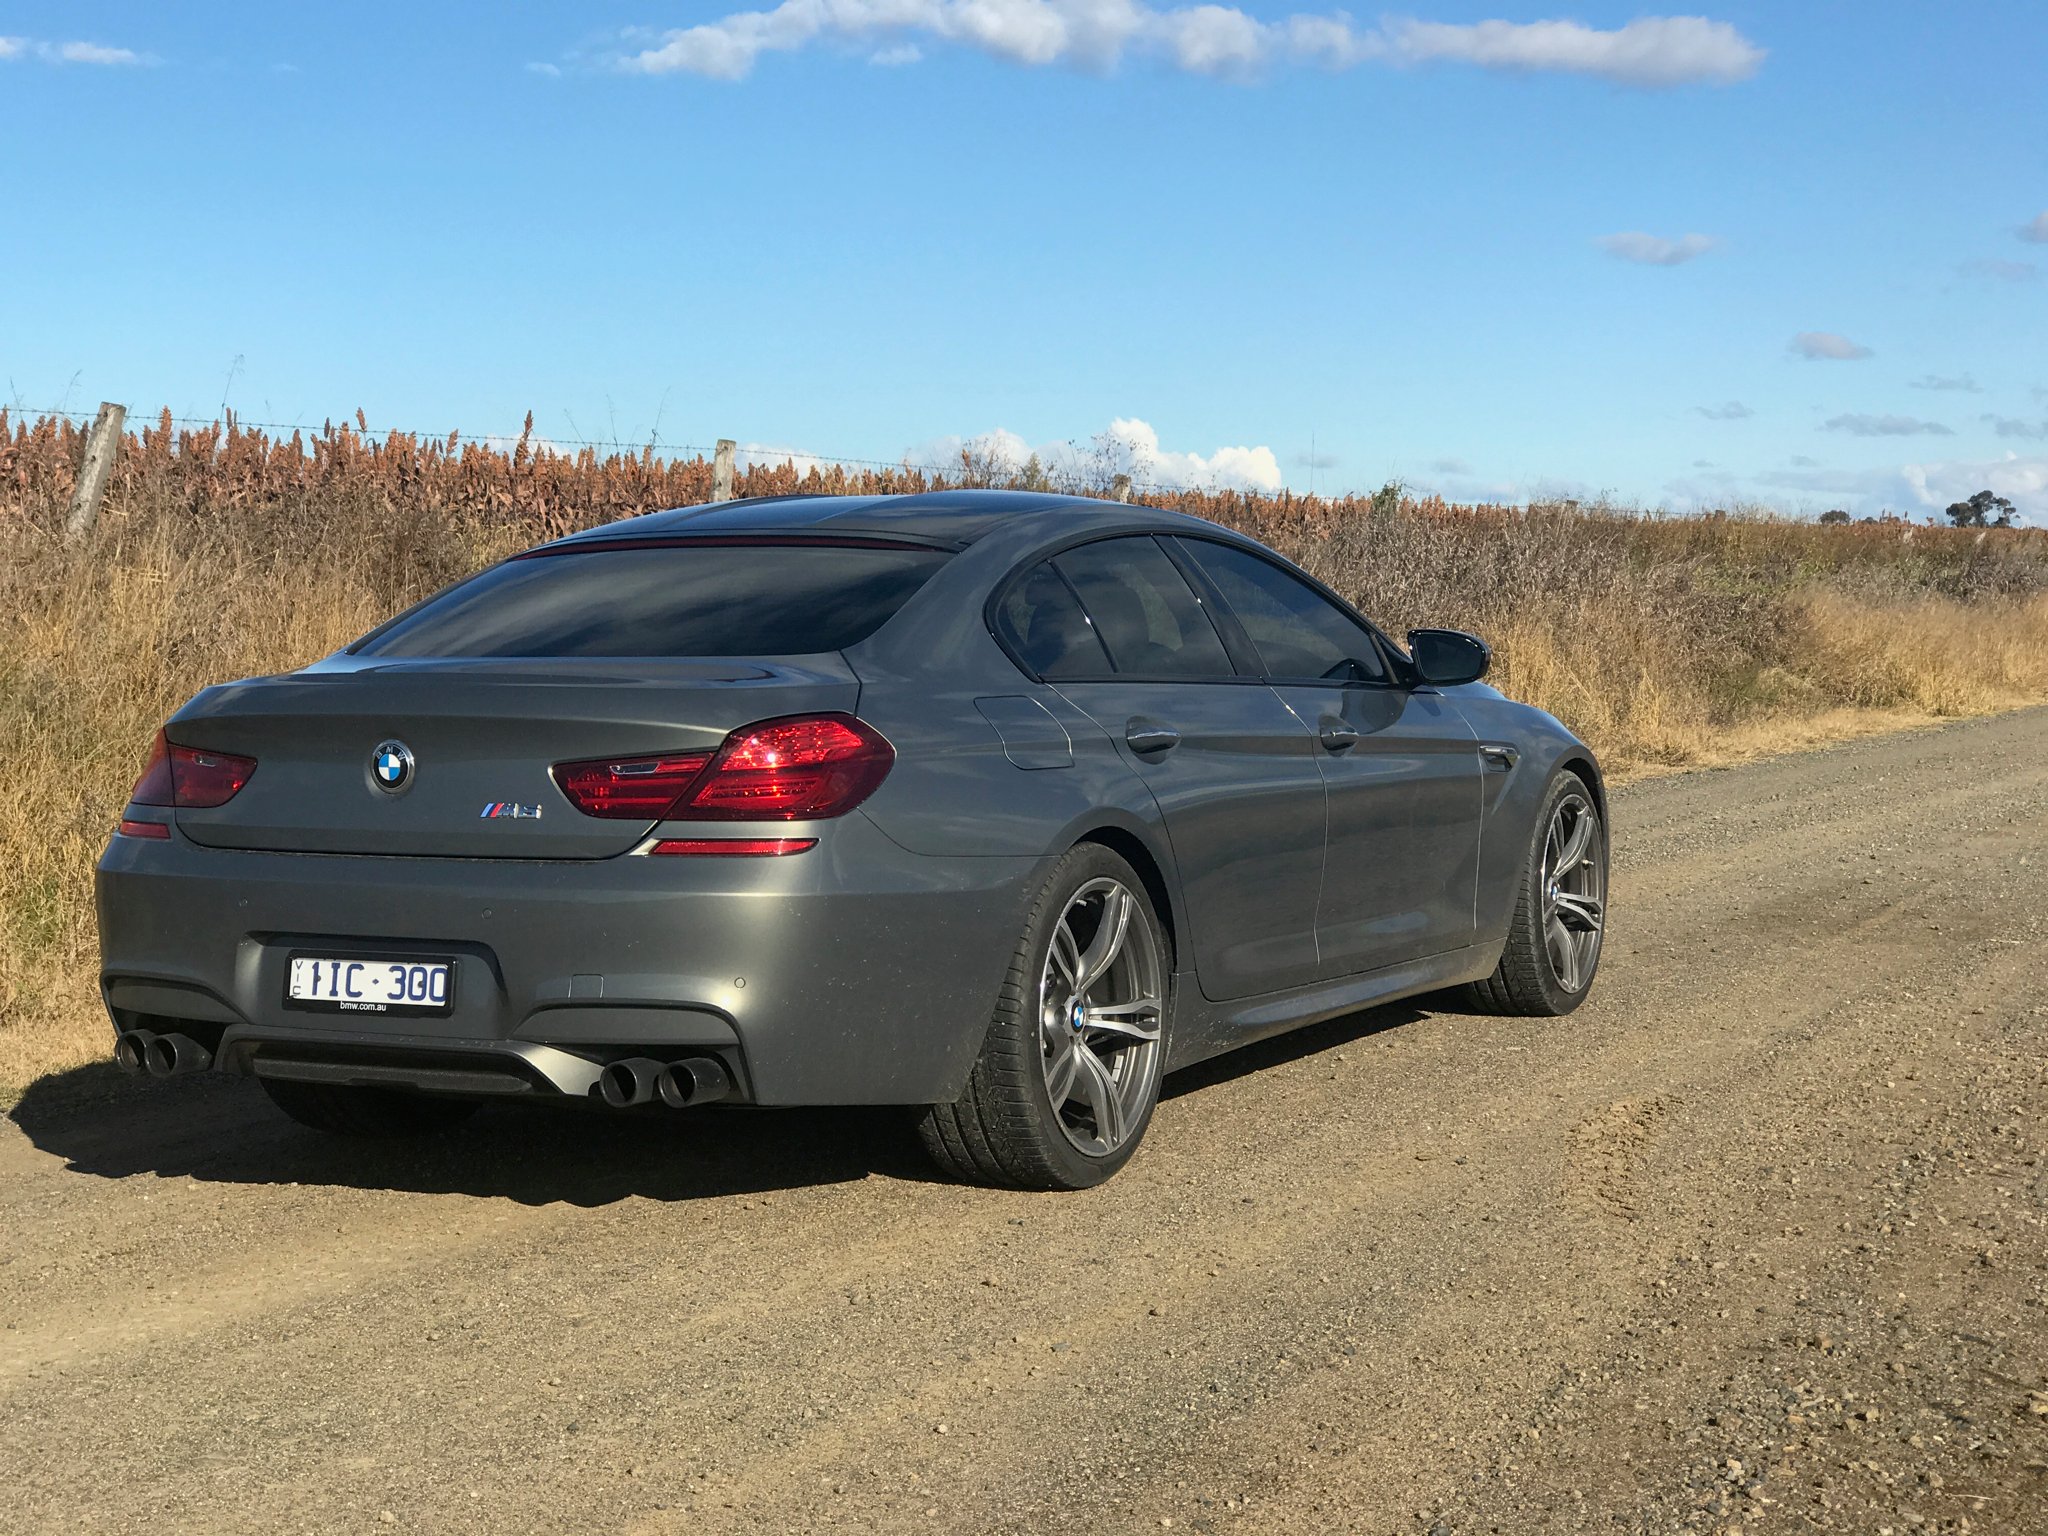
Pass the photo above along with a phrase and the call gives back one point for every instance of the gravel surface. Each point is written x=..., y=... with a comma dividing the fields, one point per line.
x=1757, y=1240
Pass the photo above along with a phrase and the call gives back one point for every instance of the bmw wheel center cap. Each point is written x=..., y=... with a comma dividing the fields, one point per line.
x=391, y=765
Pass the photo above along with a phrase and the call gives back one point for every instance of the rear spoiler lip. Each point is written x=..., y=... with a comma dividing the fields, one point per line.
x=576, y=543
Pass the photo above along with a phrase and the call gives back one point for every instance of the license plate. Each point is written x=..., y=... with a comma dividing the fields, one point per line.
x=358, y=984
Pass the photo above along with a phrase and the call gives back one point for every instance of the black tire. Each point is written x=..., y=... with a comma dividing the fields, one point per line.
x=343, y=1110
x=1004, y=1130
x=1527, y=980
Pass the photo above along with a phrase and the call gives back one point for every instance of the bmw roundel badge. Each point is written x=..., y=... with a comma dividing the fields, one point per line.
x=391, y=765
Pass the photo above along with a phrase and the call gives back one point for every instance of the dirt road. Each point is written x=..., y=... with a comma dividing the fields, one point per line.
x=1757, y=1239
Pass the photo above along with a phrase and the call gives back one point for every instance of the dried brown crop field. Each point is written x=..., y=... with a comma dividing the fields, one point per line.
x=223, y=551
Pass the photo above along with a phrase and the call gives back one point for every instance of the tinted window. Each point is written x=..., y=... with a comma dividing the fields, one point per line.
x=1047, y=629
x=761, y=600
x=1299, y=633
x=1144, y=610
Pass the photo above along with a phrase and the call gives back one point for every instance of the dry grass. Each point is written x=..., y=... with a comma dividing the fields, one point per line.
x=222, y=554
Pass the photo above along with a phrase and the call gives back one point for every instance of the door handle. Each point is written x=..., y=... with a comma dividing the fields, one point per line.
x=1495, y=756
x=1336, y=735
x=1148, y=736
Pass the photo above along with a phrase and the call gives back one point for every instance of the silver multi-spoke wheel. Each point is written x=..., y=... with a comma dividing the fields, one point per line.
x=1574, y=891
x=1068, y=1074
x=1101, y=1000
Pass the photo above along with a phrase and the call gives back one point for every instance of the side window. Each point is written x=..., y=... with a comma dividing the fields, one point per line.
x=1148, y=617
x=1301, y=635
x=1047, y=629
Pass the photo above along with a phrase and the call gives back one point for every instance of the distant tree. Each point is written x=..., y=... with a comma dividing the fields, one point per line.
x=1983, y=510
x=1032, y=477
x=1834, y=515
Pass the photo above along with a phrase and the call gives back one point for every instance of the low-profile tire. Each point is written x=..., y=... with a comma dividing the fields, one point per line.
x=1081, y=1020
x=342, y=1110
x=1555, y=937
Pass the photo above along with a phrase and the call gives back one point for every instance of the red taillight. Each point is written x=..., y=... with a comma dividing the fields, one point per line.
x=190, y=778
x=805, y=768
x=734, y=847
x=630, y=788
x=149, y=829
x=810, y=768
x=155, y=786
x=207, y=779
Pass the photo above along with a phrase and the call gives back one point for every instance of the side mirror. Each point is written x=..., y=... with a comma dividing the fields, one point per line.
x=1448, y=657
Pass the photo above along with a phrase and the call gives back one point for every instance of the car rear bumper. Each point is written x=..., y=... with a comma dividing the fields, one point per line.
x=853, y=973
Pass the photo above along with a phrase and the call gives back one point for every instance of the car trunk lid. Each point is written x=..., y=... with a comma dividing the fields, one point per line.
x=481, y=736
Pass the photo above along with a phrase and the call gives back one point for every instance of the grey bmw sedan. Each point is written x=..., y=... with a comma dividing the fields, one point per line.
x=996, y=804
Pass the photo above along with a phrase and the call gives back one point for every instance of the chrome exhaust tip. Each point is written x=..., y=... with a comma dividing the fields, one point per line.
x=625, y=1084
x=699, y=1080
x=174, y=1055
x=131, y=1049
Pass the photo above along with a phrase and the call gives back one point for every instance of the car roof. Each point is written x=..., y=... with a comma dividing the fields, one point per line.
x=955, y=518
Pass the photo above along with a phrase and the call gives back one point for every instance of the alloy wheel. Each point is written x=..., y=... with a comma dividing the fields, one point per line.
x=1574, y=879
x=1101, y=1002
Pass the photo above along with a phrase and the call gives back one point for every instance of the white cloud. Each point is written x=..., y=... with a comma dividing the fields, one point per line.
x=67, y=53
x=1929, y=486
x=1826, y=346
x=1858, y=425
x=1649, y=51
x=766, y=455
x=1243, y=469
x=551, y=71
x=1958, y=383
x=94, y=53
x=1214, y=40
x=896, y=55
x=1655, y=250
x=1128, y=447
x=1207, y=39
x=2022, y=481
x=2035, y=229
x=2011, y=426
x=536, y=445
x=1001, y=449
x=1734, y=410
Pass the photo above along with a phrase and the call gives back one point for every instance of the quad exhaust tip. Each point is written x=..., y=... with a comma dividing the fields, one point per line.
x=627, y=1084
x=144, y=1050
x=640, y=1080
x=699, y=1080
x=130, y=1049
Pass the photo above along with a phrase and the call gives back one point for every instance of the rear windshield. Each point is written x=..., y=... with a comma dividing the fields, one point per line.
x=754, y=600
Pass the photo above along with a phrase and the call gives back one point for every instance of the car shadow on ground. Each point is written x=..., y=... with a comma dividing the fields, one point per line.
x=218, y=1129
x=1280, y=1050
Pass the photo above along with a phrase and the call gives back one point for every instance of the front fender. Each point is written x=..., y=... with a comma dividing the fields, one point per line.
x=1514, y=796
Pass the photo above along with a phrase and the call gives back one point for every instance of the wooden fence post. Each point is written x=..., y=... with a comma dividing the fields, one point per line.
x=721, y=470
x=1120, y=487
x=102, y=443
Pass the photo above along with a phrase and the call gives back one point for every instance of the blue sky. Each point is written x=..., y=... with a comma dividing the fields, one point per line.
x=1790, y=254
